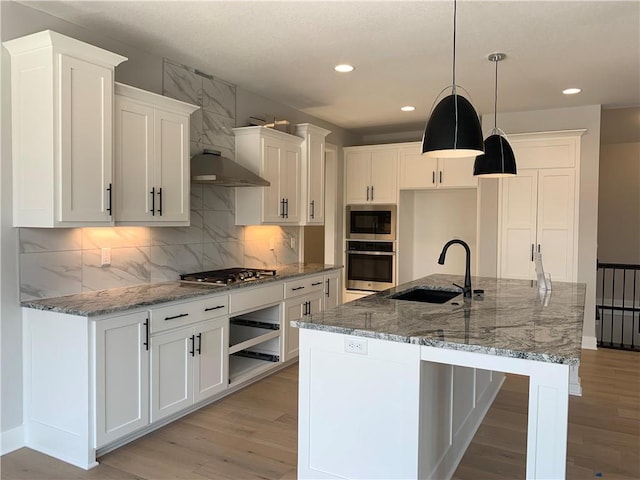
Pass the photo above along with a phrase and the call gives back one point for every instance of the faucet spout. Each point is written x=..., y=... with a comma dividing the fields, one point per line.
x=467, y=274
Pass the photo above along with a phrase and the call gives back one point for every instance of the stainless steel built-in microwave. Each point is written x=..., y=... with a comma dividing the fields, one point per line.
x=371, y=222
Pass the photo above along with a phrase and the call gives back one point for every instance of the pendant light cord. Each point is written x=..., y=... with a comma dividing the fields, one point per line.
x=454, y=46
x=495, y=101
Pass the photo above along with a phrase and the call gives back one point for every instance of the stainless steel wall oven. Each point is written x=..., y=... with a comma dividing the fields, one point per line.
x=370, y=265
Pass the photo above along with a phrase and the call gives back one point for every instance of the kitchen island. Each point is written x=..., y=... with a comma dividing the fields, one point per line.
x=396, y=389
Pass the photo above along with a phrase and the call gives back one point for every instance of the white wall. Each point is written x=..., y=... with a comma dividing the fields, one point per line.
x=10, y=318
x=428, y=220
x=549, y=120
x=619, y=195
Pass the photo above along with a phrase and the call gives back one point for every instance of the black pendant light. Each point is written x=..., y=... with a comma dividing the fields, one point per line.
x=453, y=128
x=498, y=159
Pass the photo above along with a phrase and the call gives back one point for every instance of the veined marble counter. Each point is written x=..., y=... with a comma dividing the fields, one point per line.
x=113, y=300
x=513, y=319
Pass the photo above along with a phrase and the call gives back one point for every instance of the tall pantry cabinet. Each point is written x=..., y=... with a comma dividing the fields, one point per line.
x=539, y=206
x=62, y=134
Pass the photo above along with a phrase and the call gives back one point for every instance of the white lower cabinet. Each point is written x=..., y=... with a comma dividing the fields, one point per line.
x=127, y=372
x=187, y=366
x=302, y=298
x=294, y=309
x=122, y=376
x=332, y=290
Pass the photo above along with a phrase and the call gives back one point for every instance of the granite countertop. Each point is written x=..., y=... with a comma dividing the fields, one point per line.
x=513, y=319
x=104, y=302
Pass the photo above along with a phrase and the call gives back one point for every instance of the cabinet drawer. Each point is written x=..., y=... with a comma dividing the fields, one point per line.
x=303, y=286
x=255, y=297
x=176, y=315
x=214, y=306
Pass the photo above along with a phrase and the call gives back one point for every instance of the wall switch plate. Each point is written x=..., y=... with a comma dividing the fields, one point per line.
x=355, y=345
x=105, y=257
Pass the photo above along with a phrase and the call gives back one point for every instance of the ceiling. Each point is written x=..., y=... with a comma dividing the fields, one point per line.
x=402, y=51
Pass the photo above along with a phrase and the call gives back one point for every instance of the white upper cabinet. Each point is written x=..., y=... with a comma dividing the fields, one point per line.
x=420, y=172
x=62, y=117
x=371, y=174
x=539, y=207
x=275, y=156
x=312, y=173
x=152, y=174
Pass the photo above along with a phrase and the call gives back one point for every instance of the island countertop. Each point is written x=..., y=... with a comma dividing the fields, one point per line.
x=104, y=302
x=512, y=319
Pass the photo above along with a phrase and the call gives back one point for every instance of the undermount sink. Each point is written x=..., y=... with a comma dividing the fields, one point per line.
x=426, y=295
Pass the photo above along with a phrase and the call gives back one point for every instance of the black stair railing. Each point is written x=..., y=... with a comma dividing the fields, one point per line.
x=618, y=306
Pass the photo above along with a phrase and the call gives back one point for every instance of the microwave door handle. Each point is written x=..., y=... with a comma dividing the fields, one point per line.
x=370, y=253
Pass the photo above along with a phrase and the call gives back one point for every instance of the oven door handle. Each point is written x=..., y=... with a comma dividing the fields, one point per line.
x=370, y=253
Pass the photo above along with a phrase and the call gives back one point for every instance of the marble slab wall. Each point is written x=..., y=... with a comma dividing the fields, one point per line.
x=56, y=262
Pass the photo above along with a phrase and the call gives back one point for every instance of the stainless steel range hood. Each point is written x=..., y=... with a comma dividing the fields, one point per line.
x=211, y=168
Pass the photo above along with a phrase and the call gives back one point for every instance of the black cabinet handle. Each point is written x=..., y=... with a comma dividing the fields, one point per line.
x=532, y=247
x=282, y=208
x=538, y=248
x=296, y=288
x=440, y=176
x=160, y=202
x=146, y=334
x=286, y=206
x=200, y=344
x=110, y=190
x=372, y=192
x=177, y=316
x=304, y=309
x=368, y=192
x=217, y=307
x=313, y=209
x=193, y=345
x=433, y=176
x=328, y=289
x=317, y=283
x=153, y=201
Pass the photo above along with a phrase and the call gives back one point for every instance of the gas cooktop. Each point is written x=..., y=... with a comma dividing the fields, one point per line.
x=227, y=276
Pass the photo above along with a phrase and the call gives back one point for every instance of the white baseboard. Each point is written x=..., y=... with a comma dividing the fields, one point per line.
x=589, y=343
x=11, y=440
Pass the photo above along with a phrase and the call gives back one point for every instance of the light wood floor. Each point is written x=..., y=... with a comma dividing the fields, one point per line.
x=252, y=434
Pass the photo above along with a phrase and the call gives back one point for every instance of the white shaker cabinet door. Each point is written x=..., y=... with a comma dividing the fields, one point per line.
x=85, y=132
x=384, y=176
x=456, y=172
x=274, y=194
x=555, y=222
x=171, y=372
x=518, y=225
x=122, y=376
x=210, y=370
x=332, y=290
x=315, y=181
x=134, y=162
x=173, y=170
x=358, y=178
x=290, y=176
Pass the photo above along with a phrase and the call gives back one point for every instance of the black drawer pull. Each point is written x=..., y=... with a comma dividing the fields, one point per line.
x=199, y=349
x=296, y=288
x=217, y=307
x=146, y=335
x=177, y=316
x=315, y=284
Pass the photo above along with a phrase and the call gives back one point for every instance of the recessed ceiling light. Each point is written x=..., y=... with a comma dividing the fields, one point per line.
x=408, y=108
x=343, y=68
x=571, y=91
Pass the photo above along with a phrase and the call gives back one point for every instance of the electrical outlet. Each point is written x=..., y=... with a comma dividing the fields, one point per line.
x=105, y=257
x=293, y=243
x=355, y=345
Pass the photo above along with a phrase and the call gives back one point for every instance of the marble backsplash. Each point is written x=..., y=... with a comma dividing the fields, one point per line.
x=65, y=261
